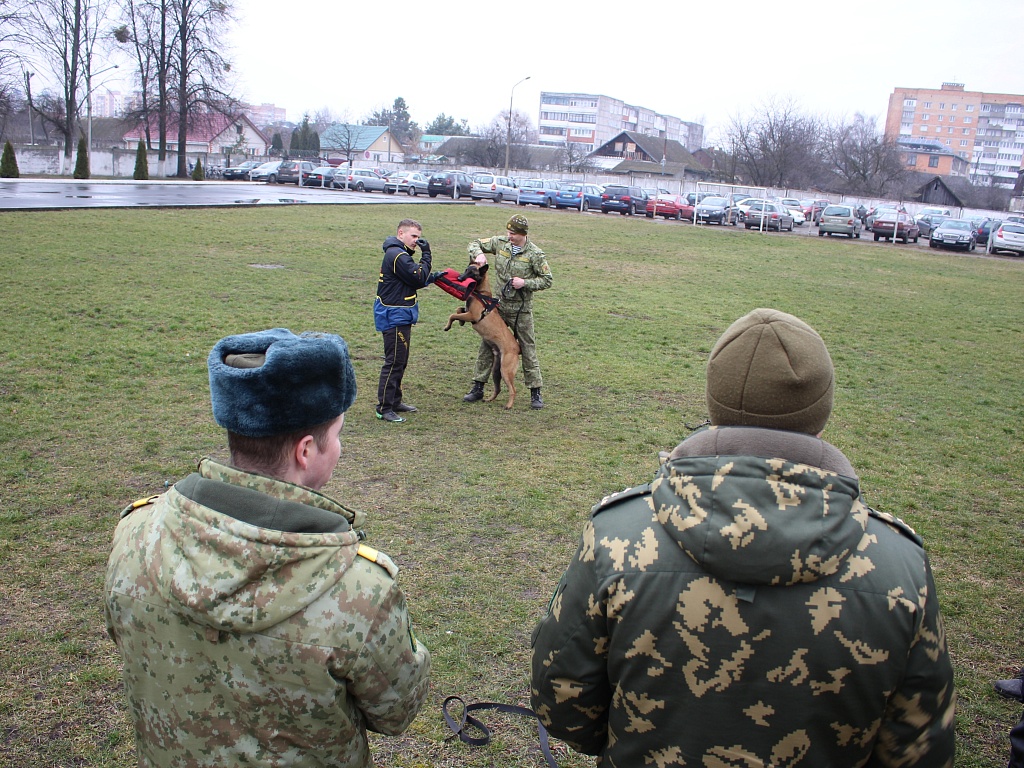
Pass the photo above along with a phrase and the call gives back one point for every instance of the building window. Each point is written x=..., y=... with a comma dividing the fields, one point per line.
x=986, y=107
x=911, y=159
x=923, y=128
x=927, y=105
x=952, y=119
x=908, y=114
x=925, y=116
x=941, y=118
x=582, y=118
x=963, y=142
x=953, y=107
x=970, y=107
x=967, y=131
x=910, y=103
x=933, y=161
x=942, y=105
x=968, y=119
x=1012, y=108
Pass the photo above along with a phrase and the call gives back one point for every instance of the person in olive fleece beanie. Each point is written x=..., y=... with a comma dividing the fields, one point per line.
x=747, y=607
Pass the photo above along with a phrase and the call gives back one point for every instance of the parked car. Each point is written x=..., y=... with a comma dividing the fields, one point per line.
x=743, y=205
x=294, y=172
x=1016, y=219
x=944, y=212
x=769, y=215
x=796, y=208
x=893, y=225
x=716, y=210
x=241, y=171
x=881, y=208
x=322, y=176
x=360, y=179
x=453, y=184
x=406, y=181
x=266, y=172
x=626, y=200
x=955, y=234
x=540, y=192
x=580, y=196
x=670, y=206
x=983, y=228
x=839, y=220
x=1008, y=236
x=488, y=186
x=812, y=209
x=929, y=221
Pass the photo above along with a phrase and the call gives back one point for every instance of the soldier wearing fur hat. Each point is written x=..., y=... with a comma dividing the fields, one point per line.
x=746, y=606
x=254, y=625
x=519, y=269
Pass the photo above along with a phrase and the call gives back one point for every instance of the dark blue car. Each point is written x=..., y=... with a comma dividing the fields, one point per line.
x=578, y=195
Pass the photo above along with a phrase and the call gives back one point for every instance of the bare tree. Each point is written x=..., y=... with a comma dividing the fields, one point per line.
x=490, y=151
x=575, y=158
x=200, y=69
x=862, y=159
x=777, y=147
x=146, y=28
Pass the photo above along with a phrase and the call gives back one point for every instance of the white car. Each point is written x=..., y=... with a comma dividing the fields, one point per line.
x=796, y=208
x=1008, y=236
x=488, y=186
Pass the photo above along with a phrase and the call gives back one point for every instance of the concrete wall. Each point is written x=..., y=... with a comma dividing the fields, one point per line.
x=114, y=162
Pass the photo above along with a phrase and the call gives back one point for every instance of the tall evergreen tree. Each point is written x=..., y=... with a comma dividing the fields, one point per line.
x=141, y=162
x=82, y=161
x=198, y=174
x=276, y=144
x=8, y=163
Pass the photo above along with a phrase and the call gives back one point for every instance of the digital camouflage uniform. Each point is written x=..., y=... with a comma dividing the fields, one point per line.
x=516, y=307
x=255, y=628
x=747, y=611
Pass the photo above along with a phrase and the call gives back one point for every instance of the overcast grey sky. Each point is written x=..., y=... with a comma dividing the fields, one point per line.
x=698, y=60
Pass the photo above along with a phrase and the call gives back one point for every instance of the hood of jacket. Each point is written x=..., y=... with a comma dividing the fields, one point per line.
x=761, y=507
x=393, y=242
x=234, y=576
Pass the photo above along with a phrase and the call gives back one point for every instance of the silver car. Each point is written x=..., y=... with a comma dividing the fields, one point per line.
x=839, y=220
x=407, y=181
x=1009, y=236
x=360, y=179
x=488, y=186
x=768, y=215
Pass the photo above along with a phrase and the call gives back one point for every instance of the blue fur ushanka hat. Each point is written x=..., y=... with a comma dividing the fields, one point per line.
x=273, y=382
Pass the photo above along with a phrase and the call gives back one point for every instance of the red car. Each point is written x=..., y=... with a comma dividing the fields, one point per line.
x=902, y=224
x=670, y=206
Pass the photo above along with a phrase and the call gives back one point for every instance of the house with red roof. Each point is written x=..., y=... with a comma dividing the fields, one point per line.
x=210, y=134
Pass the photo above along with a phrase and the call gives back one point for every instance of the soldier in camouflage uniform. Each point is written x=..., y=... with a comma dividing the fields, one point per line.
x=746, y=608
x=520, y=269
x=255, y=627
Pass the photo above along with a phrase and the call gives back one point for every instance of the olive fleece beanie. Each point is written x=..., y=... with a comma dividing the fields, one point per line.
x=770, y=369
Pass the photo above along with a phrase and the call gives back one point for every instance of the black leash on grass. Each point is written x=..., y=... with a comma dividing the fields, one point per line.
x=466, y=721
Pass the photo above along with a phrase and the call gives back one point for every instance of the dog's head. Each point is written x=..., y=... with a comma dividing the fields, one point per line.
x=474, y=271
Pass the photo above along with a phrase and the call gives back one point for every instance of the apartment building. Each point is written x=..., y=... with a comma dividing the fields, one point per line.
x=591, y=119
x=985, y=129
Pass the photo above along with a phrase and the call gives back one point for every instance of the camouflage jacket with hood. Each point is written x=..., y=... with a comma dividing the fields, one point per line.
x=747, y=609
x=255, y=628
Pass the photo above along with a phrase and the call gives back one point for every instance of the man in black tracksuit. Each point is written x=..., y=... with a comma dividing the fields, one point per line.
x=395, y=312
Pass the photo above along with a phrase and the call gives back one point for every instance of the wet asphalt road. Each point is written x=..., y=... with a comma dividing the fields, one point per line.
x=51, y=194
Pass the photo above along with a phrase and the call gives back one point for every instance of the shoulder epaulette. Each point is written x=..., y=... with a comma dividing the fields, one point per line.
x=378, y=558
x=140, y=503
x=899, y=525
x=611, y=500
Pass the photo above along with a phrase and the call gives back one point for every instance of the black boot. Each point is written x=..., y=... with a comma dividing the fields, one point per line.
x=476, y=393
x=535, y=402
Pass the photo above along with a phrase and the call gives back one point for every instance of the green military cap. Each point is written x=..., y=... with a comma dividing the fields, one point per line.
x=518, y=224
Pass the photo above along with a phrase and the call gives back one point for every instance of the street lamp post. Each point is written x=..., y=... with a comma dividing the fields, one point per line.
x=88, y=100
x=508, y=136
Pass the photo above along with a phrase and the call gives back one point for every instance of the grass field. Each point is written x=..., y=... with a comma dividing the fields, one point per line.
x=109, y=316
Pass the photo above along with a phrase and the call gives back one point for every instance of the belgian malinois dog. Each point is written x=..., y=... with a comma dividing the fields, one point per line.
x=481, y=311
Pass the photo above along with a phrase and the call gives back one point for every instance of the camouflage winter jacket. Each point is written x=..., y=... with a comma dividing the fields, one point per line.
x=745, y=610
x=530, y=264
x=255, y=629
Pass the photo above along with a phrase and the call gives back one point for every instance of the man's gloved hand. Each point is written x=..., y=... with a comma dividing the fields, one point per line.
x=424, y=245
x=434, y=276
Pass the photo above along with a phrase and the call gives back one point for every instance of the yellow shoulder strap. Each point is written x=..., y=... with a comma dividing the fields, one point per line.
x=368, y=552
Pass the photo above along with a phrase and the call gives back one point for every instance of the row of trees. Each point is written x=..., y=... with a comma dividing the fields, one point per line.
x=174, y=47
